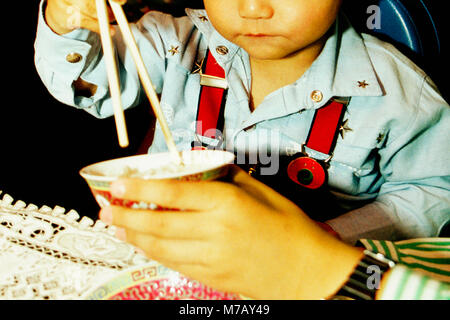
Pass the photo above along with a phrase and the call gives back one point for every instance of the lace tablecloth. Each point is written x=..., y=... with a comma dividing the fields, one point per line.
x=49, y=253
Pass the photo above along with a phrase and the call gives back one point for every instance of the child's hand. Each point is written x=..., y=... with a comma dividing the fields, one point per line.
x=63, y=16
x=238, y=237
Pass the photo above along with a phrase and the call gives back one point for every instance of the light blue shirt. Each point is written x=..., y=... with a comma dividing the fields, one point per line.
x=390, y=171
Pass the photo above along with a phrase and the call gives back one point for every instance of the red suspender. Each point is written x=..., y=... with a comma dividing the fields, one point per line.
x=325, y=127
x=211, y=105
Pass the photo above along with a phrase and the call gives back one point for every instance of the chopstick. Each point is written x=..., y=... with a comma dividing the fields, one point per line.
x=130, y=42
x=111, y=68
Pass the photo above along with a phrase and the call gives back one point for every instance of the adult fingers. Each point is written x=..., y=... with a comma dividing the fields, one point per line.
x=242, y=179
x=260, y=191
x=202, y=195
x=172, y=253
x=161, y=224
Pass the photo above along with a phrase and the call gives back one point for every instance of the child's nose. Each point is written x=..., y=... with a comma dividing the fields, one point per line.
x=255, y=9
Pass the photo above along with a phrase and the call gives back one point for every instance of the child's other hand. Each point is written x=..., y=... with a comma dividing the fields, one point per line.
x=239, y=237
x=63, y=16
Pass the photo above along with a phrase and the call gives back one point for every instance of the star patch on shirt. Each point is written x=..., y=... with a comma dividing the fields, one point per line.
x=174, y=50
x=362, y=84
x=344, y=129
x=198, y=67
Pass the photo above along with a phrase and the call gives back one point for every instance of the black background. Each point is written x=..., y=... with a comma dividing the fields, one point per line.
x=45, y=143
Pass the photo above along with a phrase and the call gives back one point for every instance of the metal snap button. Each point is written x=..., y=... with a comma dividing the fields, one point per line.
x=222, y=50
x=316, y=96
x=74, y=57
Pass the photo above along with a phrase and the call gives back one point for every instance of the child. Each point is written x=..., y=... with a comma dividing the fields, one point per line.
x=284, y=62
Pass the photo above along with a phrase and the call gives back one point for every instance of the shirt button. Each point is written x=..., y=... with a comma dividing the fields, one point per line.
x=222, y=50
x=316, y=96
x=74, y=57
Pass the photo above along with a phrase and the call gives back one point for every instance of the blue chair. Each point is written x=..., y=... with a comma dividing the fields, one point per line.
x=415, y=27
x=409, y=24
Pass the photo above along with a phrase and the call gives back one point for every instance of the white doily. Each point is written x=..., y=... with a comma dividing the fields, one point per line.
x=49, y=253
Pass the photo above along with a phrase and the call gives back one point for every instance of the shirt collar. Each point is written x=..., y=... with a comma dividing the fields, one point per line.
x=215, y=40
x=344, y=67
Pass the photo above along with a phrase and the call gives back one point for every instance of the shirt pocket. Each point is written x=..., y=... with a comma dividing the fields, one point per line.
x=354, y=167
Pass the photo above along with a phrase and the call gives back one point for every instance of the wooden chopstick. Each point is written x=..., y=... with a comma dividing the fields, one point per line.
x=130, y=42
x=111, y=68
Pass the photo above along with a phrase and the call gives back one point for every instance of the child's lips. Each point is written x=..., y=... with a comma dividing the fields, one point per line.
x=257, y=35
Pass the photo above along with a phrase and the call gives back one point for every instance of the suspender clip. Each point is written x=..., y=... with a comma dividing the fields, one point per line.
x=212, y=81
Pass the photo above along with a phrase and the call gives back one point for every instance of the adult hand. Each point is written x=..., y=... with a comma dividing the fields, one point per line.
x=235, y=236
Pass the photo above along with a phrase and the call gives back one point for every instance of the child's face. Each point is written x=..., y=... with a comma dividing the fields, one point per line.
x=272, y=29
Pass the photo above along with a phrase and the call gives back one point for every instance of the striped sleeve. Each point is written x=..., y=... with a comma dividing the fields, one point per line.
x=430, y=256
x=406, y=284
